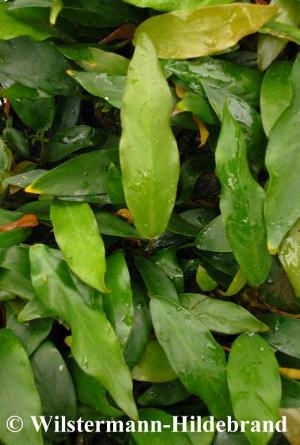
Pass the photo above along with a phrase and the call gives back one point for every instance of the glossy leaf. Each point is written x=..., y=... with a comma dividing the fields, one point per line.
x=258, y=386
x=204, y=280
x=200, y=365
x=83, y=175
x=150, y=181
x=37, y=114
x=16, y=373
x=118, y=302
x=30, y=23
x=168, y=261
x=30, y=334
x=281, y=205
x=276, y=94
x=107, y=62
x=204, y=31
x=54, y=384
x=108, y=86
x=33, y=70
x=269, y=47
x=241, y=203
x=109, y=224
x=153, y=366
x=172, y=5
x=90, y=392
x=221, y=316
x=163, y=394
x=76, y=232
x=155, y=279
x=289, y=255
x=90, y=327
x=237, y=284
x=241, y=81
x=72, y=139
x=284, y=333
x=213, y=237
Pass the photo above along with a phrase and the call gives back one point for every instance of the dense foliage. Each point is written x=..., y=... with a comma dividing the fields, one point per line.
x=149, y=226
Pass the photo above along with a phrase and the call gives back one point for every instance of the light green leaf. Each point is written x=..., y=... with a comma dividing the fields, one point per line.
x=94, y=344
x=173, y=5
x=154, y=366
x=254, y=384
x=108, y=86
x=241, y=203
x=80, y=176
x=289, y=255
x=150, y=174
x=282, y=206
x=198, y=360
x=269, y=47
x=204, y=280
x=221, y=316
x=28, y=23
x=56, y=8
x=213, y=237
x=276, y=94
x=106, y=62
x=18, y=394
x=204, y=31
x=77, y=234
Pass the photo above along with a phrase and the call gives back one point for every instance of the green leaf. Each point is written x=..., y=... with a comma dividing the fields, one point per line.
x=276, y=93
x=154, y=366
x=76, y=233
x=238, y=80
x=56, y=8
x=141, y=327
x=108, y=86
x=200, y=365
x=90, y=392
x=27, y=62
x=254, y=384
x=81, y=176
x=241, y=203
x=221, y=316
x=12, y=237
x=100, y=13
x=166, y=436
x=150, y=174
x=16, y=373
x=30, y=334
x=204, y=280
x=156, y=280
x=289, y=255
x=70, y=140
x=54, y=384
x=290, y=393
x=284, y=334
x=213, y=237
x=282, y=208
x=37, y=114
x=168, y=261
x=90, y=328
x=118, y=302
x=237, y=284
x=17, y=143
x=112, y=225
x=204, y=31
x=173, y=5
x=29, y=23
x=163, y=394
x=106, y=62
x=269, y=47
